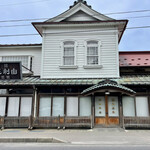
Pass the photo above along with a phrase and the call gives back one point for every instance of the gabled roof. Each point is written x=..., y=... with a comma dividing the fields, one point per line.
x=81, y=15
x=82, y=6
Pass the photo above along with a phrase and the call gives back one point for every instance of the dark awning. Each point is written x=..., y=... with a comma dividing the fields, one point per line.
x=106, y=86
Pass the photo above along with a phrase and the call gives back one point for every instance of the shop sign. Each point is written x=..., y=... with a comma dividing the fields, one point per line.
x=10, y=70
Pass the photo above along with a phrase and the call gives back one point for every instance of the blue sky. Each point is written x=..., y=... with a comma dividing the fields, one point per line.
x=132, y=40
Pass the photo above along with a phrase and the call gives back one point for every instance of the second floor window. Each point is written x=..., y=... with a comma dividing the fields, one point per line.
x=68, y=54
x=25, y=60
x=92, y=53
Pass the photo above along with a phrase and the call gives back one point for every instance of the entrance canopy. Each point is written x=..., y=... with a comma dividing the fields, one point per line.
x=108, y=86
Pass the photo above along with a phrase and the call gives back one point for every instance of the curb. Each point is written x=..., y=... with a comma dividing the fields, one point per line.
x=30, y=140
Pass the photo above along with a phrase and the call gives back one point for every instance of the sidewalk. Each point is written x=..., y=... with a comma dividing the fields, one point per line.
x=103, y=136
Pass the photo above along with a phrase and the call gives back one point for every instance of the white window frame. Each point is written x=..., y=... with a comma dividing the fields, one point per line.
x=29, y=61
x=63, y=66
x=93, y=66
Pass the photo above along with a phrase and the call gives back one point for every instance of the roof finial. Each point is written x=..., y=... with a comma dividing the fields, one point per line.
x=80, y=1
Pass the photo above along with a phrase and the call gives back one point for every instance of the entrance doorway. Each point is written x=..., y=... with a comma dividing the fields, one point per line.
x=106, y=110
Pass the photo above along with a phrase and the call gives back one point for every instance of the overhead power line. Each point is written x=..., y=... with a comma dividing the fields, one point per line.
x=13, y=4
x=34, y=19
x=22, y=25
x=128, y=12
x=35, y=34
x=23, y=20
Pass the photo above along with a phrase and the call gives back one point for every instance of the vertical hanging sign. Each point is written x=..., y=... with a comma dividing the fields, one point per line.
x=10, y=71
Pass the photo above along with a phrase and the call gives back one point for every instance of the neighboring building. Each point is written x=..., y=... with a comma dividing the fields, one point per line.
x=76, y=77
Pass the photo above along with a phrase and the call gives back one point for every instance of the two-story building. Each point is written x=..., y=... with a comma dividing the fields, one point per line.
x=76, y=77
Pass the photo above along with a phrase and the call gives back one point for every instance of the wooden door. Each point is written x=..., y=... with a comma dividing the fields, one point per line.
x=106, y=111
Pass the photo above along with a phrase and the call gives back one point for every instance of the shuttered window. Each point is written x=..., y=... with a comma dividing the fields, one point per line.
x=26, y=104
x=142, y=106
x=2, y=106
x=85, y=106
x=69, y=54
x=92, y=53
x=128, y=106
x=45, y=107
x=13, y=106
x=72, y=106
x=58, y=106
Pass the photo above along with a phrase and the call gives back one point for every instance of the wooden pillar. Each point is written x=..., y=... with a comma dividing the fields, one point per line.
x=120, y=111
x=35, y=103
x=93, y=110
x=149, y=101
x=106, y=110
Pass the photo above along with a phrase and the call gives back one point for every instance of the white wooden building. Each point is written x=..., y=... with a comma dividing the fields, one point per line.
x=76, y=77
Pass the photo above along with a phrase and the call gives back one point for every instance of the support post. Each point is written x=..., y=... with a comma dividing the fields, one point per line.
x=121, y=118
x=93, y=110
x=35, y=103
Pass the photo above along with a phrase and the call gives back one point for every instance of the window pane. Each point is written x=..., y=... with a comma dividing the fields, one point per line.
x=100, y=106
x=2, y=106
x=68, y=51
x=92, y=51
x=85, y=106
x=26, y=104
x=142, y=107
x=72, y=106
x=58, y=106
x=92, y=60
x=3, y=91
x=68, y=60
x=113, y=106
x=13, y=106
x=45, y=107
x=128, y=106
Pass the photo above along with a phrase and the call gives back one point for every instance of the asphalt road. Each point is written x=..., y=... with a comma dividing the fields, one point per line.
x=35, y=146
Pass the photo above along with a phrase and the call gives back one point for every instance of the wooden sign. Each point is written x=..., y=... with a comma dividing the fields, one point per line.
x=10, y=70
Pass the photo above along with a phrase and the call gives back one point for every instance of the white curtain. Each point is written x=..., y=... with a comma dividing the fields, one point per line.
x=85, y=106
x=100, y=106
x=128, y=106
x=45, y=107
x=72, y=106
x=58, y=106
x=26, y=104
x=13, y=106
x=2, y=106
x=142, y=107
x=113, y=106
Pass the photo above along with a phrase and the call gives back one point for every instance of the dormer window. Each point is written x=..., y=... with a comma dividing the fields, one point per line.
x=92, y=53
x=69, y=54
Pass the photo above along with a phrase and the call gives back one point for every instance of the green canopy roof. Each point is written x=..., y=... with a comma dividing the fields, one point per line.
x=107, y=85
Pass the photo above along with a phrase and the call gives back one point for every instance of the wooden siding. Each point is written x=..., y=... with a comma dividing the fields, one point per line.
x=52, y=53
x=25, y=51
